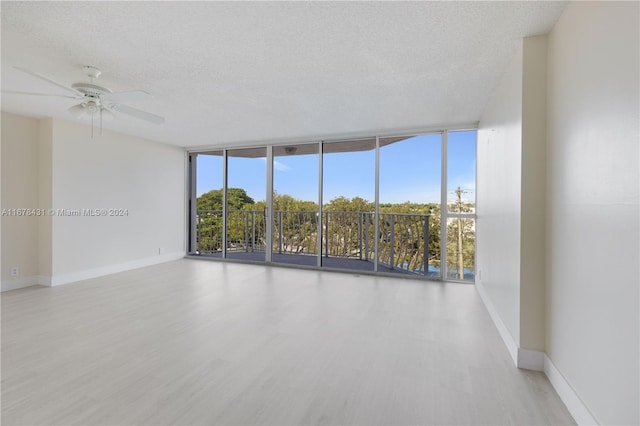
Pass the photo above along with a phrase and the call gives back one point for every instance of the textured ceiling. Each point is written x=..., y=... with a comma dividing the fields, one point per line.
x=233, y=73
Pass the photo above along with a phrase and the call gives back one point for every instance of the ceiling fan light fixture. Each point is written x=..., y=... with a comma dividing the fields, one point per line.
x=91, y=107
x=79, y=111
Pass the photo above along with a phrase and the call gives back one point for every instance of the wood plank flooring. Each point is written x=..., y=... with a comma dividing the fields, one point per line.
x=201, y=342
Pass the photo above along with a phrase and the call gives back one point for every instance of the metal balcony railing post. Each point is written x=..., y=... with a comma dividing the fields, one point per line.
x=198, y=246
x=210, y=222
x=199, y=238
x=392, y=248
x=347, y=241
x=217, y=231
x=214, y=231
x=326, y=234
x=425, y=255
x=280, y=232
x=246, y=230
x=212, y=243
x=300, y=243
x=253, y=230
x=366, y=236
x=341, y=233
x=360, y=217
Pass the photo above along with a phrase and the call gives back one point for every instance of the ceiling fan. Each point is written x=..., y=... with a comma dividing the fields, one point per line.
x=96, y=101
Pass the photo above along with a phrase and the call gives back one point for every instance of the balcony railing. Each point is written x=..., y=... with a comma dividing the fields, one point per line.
x=403, y=239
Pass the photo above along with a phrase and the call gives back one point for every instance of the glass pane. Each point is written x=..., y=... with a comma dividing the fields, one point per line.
x=246, y=188
x=461, y=249
x=208, y=217
x=410, y=175
x=348, y=204
x=295, y=204
x=461, y=172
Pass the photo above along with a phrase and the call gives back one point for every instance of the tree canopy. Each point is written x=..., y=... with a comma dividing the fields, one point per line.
x=344, y=204
x=212, y=200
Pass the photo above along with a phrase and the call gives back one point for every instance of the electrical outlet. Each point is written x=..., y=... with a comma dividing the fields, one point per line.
x=15, y=271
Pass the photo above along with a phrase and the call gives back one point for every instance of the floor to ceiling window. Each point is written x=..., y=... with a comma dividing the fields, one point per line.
x=348, y=200
x=206, y=220
x=246, y=209
x=461, y=205
x=390, y=205
x=409, y=224
x=295, y=204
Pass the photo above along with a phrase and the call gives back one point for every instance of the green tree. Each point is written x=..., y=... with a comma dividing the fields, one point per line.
x=237, y=198
x=295, y=225
x=409, y=219
x=348, y=222
x=209, y=218
x=344, y=204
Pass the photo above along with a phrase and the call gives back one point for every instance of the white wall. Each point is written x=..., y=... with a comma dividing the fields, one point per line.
x=55, y=164
x=498, y=198
x=45, y=199
x=532, y=199
x=558, y=195
x=19, y=191
x=511, y=204
x=114, y=171
x=592, y=195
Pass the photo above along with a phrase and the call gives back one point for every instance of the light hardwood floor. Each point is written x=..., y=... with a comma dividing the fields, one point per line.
x=201, y=342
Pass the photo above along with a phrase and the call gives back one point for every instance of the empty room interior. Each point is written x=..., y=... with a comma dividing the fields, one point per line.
x=301, y=213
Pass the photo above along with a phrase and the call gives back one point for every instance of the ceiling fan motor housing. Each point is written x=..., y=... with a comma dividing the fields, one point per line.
x=91, y=89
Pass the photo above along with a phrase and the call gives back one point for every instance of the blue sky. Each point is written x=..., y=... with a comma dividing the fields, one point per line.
x=409, y=171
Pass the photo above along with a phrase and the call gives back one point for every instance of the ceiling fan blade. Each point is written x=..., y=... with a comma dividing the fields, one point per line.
x=13, y=92
x=49, y=80
x=130, y=95
x=107, y=115
x=134, y=112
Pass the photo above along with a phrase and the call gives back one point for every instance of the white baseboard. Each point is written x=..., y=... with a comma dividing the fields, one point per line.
x=508, y=339
x=522, y=358
x=530, y=360
x=539, y=361
x=44, y=280
x=576, y=407
x=22, y=282
x=112, y=269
